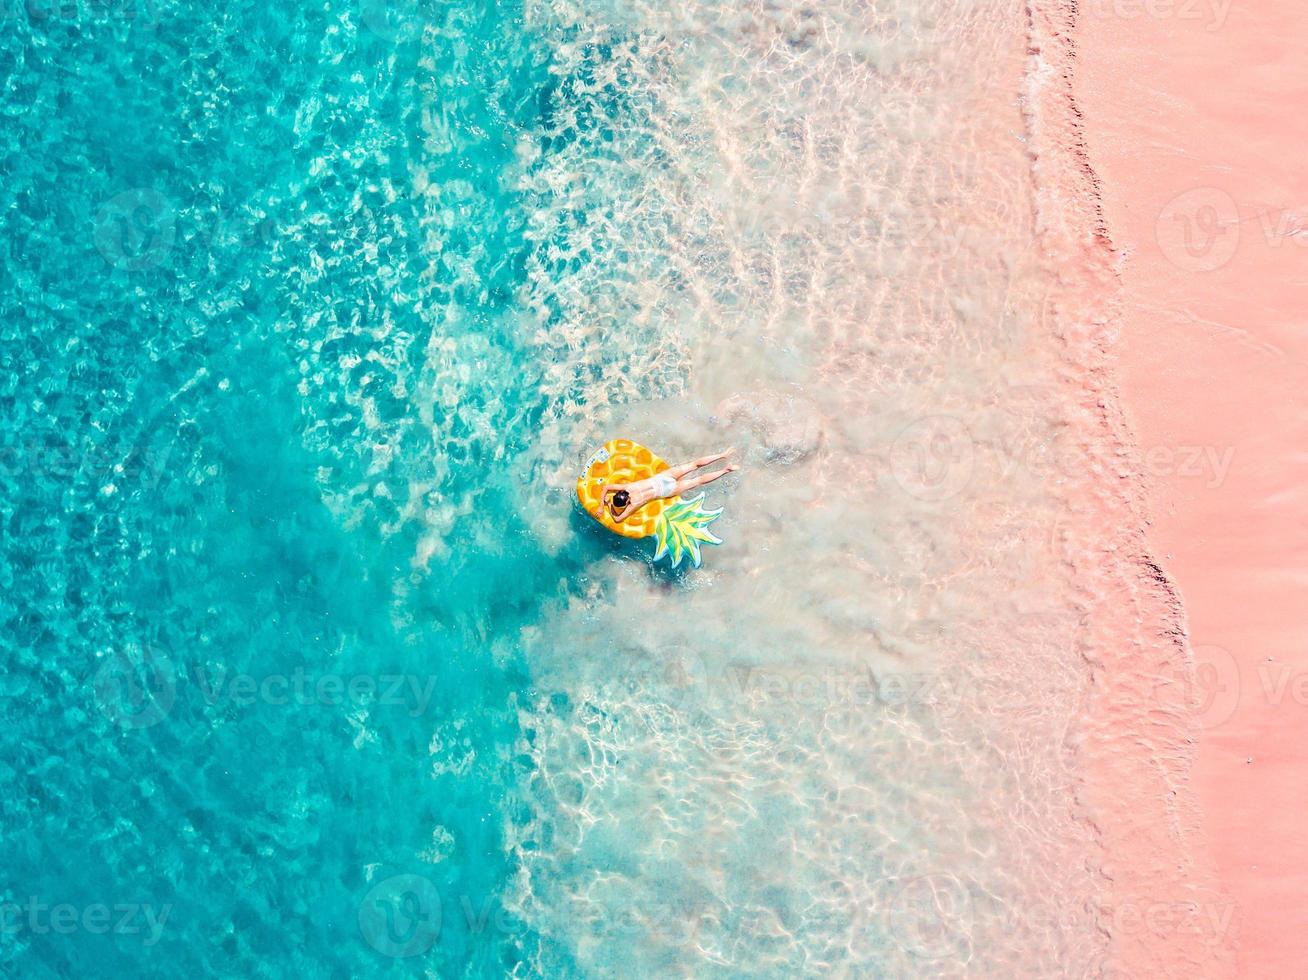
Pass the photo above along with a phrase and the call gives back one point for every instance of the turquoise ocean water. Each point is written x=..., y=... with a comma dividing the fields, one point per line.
x=258, y=270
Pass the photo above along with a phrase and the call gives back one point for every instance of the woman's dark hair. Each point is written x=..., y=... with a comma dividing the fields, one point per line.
x=621, y=499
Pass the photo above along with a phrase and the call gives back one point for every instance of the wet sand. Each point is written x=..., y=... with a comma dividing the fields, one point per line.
x=1186, y=109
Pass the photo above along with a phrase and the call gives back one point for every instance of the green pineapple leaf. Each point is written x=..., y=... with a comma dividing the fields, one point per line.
x=682, y=528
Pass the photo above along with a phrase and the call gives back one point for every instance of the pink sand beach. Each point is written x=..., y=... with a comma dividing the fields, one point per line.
x=1191, y=127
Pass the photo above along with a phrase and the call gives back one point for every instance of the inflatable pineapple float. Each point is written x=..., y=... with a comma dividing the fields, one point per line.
x=679, y=527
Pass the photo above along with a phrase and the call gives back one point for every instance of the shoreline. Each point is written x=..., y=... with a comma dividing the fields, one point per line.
x=1132, y=743
x=1198, y=195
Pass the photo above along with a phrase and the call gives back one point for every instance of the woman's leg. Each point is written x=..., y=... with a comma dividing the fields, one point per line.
x=677, y=472
x=693, y=482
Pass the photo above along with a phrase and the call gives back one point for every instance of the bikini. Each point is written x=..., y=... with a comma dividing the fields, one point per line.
x=663, y=485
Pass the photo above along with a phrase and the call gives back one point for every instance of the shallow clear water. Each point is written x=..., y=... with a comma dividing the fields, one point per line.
x=308, y=318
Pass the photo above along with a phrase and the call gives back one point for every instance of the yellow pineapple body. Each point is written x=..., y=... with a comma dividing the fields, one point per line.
x=622, y=461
